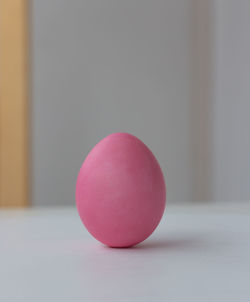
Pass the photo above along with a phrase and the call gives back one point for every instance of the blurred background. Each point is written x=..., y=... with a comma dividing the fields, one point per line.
x=174, y=73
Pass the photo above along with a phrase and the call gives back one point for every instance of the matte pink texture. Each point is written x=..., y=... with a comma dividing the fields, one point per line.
x=120, y=191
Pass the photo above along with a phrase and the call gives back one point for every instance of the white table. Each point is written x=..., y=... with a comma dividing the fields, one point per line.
x=198, y=253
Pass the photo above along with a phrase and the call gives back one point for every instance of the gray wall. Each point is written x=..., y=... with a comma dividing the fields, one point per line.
x=174, y=73
x=103, y=66
x=231, y=103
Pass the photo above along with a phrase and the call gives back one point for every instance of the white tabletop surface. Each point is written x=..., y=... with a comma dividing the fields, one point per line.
x=198, y=253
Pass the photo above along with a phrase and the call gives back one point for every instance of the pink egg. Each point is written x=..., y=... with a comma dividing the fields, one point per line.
x=120, y=191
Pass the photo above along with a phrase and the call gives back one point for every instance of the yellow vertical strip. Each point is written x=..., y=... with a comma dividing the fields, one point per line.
x=13, y=103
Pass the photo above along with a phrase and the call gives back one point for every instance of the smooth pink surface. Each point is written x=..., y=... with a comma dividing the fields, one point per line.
x=120, y=191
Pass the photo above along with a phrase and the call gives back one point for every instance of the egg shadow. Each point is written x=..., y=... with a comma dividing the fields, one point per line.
x=168, y=244
x=171, y=244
